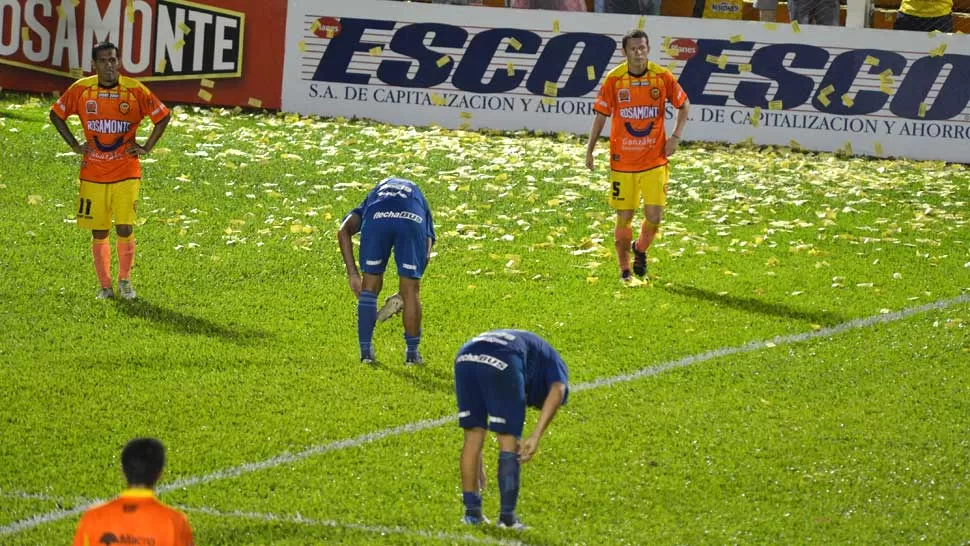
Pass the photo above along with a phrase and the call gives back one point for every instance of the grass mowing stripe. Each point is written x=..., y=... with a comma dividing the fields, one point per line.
x=287, y=458
x=376, y=529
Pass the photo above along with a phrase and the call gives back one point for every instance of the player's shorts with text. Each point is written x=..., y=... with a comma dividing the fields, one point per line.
x=626, y=188
x=98, y=202
x=403, y=230
x=490, y=388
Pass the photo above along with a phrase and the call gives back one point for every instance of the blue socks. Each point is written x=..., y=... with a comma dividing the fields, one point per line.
x=366, y=319
x=508, y=482
x=412, y=343
x=473, y=504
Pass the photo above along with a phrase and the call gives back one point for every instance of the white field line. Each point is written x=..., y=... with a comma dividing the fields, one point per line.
x=382, y=530
x=287, y=458
x=42, y=497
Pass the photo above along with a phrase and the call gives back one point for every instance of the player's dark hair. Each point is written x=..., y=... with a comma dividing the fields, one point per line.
x=633, y=35
x=103, y=46
x=142, y=461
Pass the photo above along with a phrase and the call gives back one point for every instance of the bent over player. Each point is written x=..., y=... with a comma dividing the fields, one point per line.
x=635, y=94
x=395, y=215
x=136, y=516
x=110, y=107
x=498, y=374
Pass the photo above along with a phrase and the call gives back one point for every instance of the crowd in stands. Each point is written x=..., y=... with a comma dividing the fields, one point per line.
x=918, y=15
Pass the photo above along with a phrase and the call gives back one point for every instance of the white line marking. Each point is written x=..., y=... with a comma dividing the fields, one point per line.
x=374, y=529
x=287, y=458
x=43, y=497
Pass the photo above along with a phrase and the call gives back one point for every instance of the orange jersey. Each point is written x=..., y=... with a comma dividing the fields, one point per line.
x=110, y=117
x=135, y=517
x=637, y=105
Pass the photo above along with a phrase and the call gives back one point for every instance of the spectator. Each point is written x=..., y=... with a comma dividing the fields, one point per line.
x=559, y=5
x=925, y=15
x=642, y=7
x=815, y=12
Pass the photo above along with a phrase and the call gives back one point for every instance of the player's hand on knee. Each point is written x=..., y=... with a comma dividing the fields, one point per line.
x=528, y=448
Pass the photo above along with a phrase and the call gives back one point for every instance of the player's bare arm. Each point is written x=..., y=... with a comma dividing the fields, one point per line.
x=549, y=408
x=65, y=132
x=349, y=228
x=671, y=146
x=594, y=134
x=157, y=132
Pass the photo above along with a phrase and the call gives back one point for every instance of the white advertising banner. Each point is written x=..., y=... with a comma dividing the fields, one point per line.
x=874, y=92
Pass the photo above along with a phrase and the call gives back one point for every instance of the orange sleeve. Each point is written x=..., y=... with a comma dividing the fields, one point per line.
x=604, y=101
x=151, y=105
x=66, y=104
x=675, y=93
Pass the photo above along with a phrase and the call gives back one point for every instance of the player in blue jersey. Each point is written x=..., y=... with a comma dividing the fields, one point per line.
x=395, y=215
x=498, y=374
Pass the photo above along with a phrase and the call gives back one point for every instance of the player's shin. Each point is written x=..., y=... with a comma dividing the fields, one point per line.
x=623, y=235
x=508, y=483
x=101, y=251
x=366, y=319
x=648, y=230
x=126, y=256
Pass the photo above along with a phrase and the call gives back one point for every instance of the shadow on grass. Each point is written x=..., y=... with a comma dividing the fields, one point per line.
x=182, y=323
x=13, y=114
x=752, y=305
x=423, y=377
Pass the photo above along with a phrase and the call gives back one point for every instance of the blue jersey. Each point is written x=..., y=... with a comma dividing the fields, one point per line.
x=537, y=361
x=397, y=198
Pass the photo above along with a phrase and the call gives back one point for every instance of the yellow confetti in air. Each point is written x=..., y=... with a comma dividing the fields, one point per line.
x=205, y=95
x=443, y=60
x=847, y=100
x=330, y=33
x=934, y=33
x=795, y=28
x=886, y=88
x=827, y=90
x=878, y=147
x=60, y=11
x=591, y=72
x=922, y=110
x=737, y=38
x=510, y=69
x=722, y=62
x=437, y=99
x=871, y=60
x=465, y=115
x=794, y=144
x=887, y=73
x=711, y=59
x=555, y=25
x=667, y=40
x=776, y=105
x=938, y=51
x=515, y=44
x=548, y=101
x=315, y=25
x=162, y=64
x=254, y=102
x=551, y=89
x=824, y=100
x=179, y=45
x=375, y=51
x=130, y=13
x=302, y=46
x=745, y=67
x=24, y=34
x=207, y=83
x=756, y=116
x=771, y=26
x=642, y=22
x=186, y=29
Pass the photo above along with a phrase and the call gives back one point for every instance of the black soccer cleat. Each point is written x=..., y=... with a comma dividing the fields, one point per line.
x=639, y=261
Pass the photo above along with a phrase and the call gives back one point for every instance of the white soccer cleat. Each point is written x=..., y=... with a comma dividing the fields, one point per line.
x=127, y=291
x=105, y=294
x=392, y=306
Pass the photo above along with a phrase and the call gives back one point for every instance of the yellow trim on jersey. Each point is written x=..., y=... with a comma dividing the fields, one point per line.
x=137, y=493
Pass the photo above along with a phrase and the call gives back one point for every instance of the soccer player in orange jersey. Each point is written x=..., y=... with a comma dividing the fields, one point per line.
x=635, y=94
x=110, y=107
x=136, y=516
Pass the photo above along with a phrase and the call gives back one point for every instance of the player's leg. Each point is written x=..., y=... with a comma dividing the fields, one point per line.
x=472, y=417
x=653, y=185
x=411, y=256
x=625, y=199
x=505, y=400
x=94, y=213
x=370, y=287
x=124, y=200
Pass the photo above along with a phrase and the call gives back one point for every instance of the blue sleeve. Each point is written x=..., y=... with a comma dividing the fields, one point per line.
x=556, y=371
x=427, y=210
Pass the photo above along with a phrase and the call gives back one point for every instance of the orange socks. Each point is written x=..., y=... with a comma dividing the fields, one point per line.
x=648, y=230
x=126, y=256
x=102, y=261
x=622, y=237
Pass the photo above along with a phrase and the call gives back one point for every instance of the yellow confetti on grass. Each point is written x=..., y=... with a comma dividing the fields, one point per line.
x=186, y=29
x=207, y=83
x=375, y=51
x=254, y=102
x=205, y=95
x=443, y=60
x=34, y=199
x=515, y=44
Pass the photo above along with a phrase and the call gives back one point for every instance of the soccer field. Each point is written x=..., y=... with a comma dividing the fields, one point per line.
x=795, y=372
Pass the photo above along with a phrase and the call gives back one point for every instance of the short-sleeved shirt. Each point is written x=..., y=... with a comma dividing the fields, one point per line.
x=110, y=117
x=135, y=517
x=637, y=106
x=397, y=198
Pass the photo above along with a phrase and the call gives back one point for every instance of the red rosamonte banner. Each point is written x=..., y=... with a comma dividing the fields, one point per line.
x=221, y=52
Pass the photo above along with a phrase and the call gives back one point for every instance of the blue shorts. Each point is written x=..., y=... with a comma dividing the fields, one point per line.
x=382, y=229
x=490, y=397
